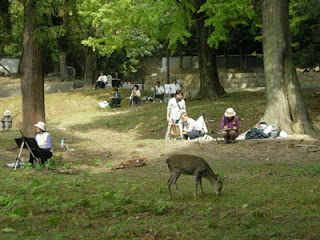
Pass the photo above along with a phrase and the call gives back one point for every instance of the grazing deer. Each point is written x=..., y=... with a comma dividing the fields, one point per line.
x=191, y=165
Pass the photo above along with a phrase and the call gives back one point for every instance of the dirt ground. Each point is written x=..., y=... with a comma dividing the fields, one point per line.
x=298, y=148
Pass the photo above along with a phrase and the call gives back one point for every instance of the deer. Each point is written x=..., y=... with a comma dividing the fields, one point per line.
x=191, y=165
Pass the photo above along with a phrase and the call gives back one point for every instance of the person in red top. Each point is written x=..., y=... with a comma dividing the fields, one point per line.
x=230, y=126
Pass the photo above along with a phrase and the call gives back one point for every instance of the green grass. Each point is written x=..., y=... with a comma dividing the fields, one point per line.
x=271, y=188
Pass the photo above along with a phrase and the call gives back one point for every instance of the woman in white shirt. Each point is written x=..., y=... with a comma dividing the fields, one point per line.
x=135, y=95
x=102, y=81
x=43, y=139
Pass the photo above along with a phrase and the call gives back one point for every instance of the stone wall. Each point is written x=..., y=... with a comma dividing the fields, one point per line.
x=9, y=65
x=231, y=81
x=15, y=90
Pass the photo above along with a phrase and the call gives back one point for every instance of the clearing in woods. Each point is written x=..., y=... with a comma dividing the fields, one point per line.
x=271, y=187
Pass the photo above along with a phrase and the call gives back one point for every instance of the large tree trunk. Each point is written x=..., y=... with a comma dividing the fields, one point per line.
x=285, y=107
x=62, y=65
x=31, y=69
x=209, y=80
x=90, y=66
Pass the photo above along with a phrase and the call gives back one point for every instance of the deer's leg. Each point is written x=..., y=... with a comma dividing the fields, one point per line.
x=197, y=179
x=170, y=181
x=176, y=176
x=200, y=181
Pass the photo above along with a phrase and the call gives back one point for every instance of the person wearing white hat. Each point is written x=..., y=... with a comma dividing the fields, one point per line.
x=230, y=126
x=6, y=121
x=43, y=139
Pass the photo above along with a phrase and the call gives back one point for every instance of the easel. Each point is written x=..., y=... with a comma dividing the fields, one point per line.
x=25, y=143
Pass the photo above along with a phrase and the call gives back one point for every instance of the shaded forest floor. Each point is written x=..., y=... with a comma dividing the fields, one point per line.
x=271, y=188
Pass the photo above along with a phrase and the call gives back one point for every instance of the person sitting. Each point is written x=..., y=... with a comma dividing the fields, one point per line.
x=115, y=99
x=176, y=86
x=102, y=81
x=230, y=126
x=135, y=95
x=190, y=128
x=6, y=121
x=116, y=80
x=43, y=139
x=158, y=92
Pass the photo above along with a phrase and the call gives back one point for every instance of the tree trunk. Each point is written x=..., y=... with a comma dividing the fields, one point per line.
x=209, y=80
x=90, y=66
x=243, y=59
x=181, y=62
x=32, y=78
x=226, y=58
x=168, y=67
x=62, y=65
x=285, y=107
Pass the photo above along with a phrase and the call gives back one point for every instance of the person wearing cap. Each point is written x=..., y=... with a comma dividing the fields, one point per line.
x=230, y=126
x=158, y=92
x=43, y=139
x=176, y=106
x=190, y=128
x=6, y=121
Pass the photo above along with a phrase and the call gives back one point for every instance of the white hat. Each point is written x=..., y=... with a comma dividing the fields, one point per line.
x=230, y=112
x=7, y=113
x=41, y=125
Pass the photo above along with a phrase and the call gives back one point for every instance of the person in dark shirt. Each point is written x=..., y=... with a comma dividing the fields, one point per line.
x=115, y=99
x=116, y=80
x=230, y=126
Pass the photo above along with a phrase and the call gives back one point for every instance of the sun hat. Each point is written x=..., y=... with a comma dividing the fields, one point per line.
x=41, y=125
x=7, y=113
x=230, y=112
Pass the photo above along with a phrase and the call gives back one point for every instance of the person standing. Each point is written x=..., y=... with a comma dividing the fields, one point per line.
x=43, y=139
x=176, y=106
x=6, y=121
x=230, y=126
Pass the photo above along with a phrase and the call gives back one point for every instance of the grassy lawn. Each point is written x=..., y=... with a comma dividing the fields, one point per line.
x=271, y=187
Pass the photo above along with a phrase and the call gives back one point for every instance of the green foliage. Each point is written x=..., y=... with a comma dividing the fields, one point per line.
x=68, y=165
x=305, y=32
x=95, y=162
x=109, y=165
x=225, y=16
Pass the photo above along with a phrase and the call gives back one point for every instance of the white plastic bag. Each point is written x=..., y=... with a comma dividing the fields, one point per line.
x=103, y=104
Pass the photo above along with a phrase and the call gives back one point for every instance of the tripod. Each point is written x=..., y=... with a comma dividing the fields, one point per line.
x=23, y=143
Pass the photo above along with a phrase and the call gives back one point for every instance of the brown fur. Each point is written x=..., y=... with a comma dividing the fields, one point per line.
x=191, y=165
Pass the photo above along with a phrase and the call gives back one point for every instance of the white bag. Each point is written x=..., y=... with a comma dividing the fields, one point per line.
x=103, y=104
x=202, y=125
